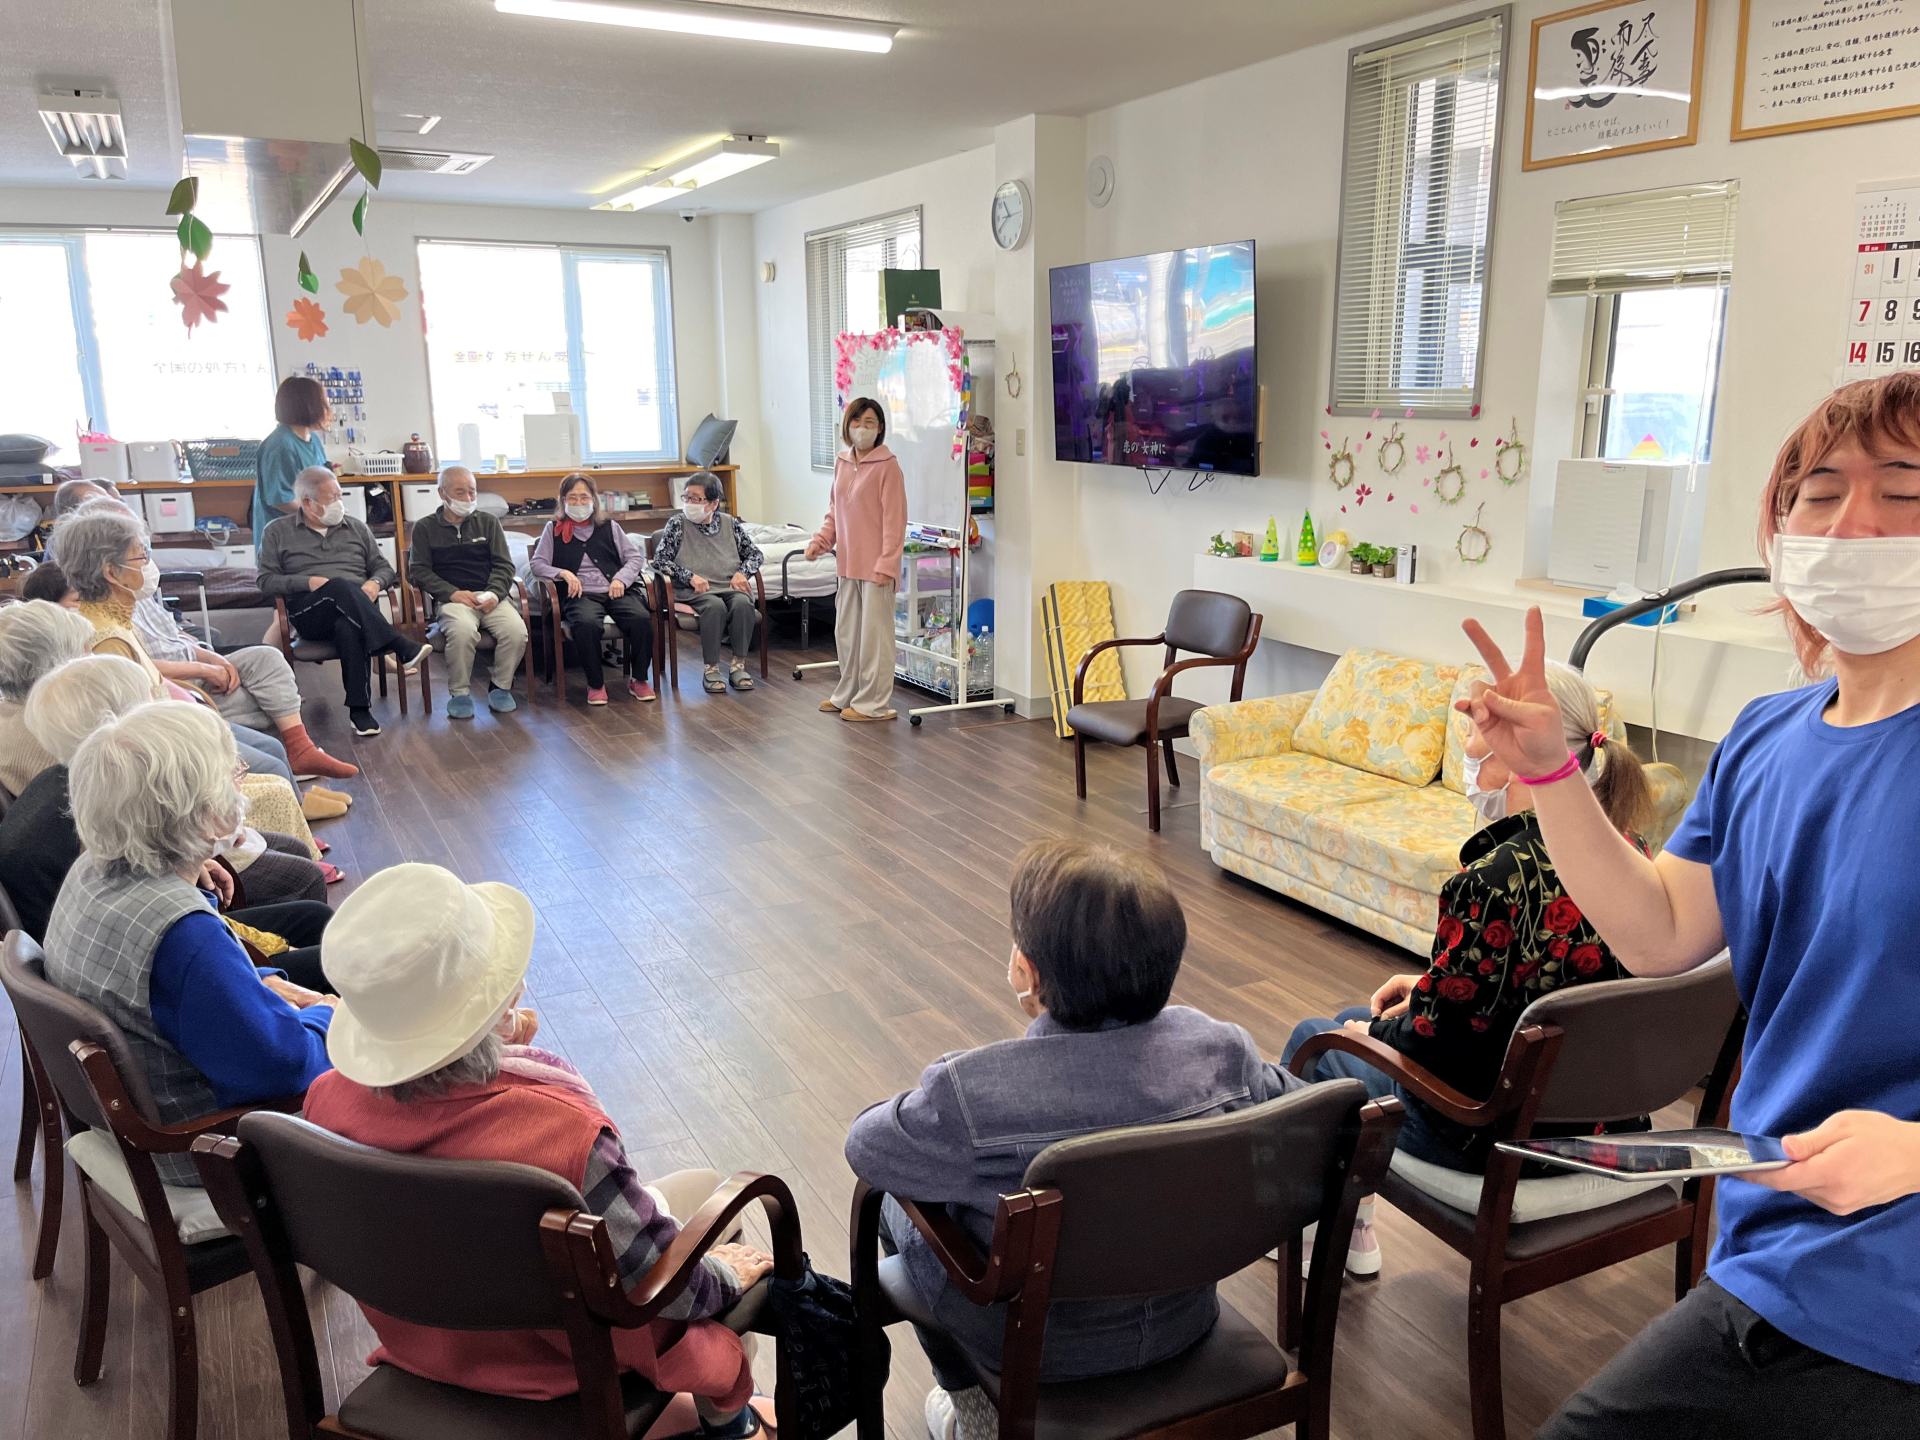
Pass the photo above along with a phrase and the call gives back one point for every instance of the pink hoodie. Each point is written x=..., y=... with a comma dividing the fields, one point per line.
x=866, y=521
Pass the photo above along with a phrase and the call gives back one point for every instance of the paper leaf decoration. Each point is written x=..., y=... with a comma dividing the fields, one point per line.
x=198, y=295
x=360, y=215
x=184, y=196
x=371, y=293
x=366, y=160
x=195, y=236
x=309, y=281
x=306, y=319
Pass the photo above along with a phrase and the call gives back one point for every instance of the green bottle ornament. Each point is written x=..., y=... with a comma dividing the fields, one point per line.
x=1270, y=549
x=1308, y=551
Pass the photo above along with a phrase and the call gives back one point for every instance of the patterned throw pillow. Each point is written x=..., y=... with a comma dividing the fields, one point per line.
x=1381, y=713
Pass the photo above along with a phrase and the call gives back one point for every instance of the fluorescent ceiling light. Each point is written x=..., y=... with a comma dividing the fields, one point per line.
x=723, y=22
x=680, y=178
x=86, y=128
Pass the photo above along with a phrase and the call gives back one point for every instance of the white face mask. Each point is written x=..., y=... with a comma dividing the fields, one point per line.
x=1018, y=993
x=698, y=511
x=1490, y=804
x=149, y=580
x=460, y=509
x=1862, y=595
x=333, y=514
x=864, y=437
x=579, y=509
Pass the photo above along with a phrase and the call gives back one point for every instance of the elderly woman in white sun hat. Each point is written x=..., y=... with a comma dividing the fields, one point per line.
x=430, y=1059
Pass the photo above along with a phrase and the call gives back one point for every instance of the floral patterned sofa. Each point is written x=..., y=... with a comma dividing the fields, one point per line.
x=1350, y=798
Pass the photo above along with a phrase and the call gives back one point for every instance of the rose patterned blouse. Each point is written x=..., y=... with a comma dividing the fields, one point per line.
x=1508, y=934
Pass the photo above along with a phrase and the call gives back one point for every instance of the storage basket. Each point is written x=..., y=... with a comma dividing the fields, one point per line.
x=223, y=459
x=386, y=462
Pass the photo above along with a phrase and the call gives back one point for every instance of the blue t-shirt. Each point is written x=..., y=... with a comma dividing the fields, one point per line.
x=283, y=455
x=1813, y=833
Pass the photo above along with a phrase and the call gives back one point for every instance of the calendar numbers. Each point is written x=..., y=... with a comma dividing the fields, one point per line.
x=1883, y=306
x=1857, y=353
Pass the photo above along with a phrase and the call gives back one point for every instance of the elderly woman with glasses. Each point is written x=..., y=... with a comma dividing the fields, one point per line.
x=34, y=637
x=153, y=795
x=103, y=550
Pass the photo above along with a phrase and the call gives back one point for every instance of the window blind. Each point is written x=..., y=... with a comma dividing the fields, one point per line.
x=1678, y=236
x=1416, y=208
x=884, y=242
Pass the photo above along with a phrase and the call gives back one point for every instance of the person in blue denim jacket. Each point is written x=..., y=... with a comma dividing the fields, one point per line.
x=1098, y=936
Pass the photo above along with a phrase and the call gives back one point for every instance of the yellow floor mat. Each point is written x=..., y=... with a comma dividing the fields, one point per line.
x=1076, y=616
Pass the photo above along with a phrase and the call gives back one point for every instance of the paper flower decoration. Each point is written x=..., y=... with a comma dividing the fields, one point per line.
x=306, y=319
x=371, y=293
x=198, y=295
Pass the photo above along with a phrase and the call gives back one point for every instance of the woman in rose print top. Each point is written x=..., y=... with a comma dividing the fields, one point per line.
x=1508, y=933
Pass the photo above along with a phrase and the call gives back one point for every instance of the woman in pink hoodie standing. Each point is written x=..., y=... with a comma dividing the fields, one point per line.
x=866, y=527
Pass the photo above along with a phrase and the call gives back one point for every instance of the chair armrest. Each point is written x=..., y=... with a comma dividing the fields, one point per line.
x=1247, y=729
x=1423, y=1083
x=196, y=576
x=597, y=1267
x=1080, y=674
x=983, y=1279
x=283, y=628
x=133, y=1128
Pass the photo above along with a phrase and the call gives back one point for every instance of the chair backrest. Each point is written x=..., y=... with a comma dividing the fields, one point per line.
x=448, y=1243
x=1633, y=1046
x=9, y=915
x=1224, y=1191
x=54, y=1019
x=1208, y=623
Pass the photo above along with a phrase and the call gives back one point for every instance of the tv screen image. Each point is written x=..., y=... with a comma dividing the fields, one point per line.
x=1154, y=361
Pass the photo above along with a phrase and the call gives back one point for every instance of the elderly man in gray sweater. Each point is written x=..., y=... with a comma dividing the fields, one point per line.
x=1098, y=937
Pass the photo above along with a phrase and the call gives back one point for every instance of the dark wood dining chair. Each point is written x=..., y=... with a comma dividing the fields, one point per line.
x=169, y=1235
x=295, y=646
x=673, y=622
x=1585, y=1055
x=1220, y=630
x=40, y=1121
x=459, y=1245
x=1250, y=1179
x=427, y=609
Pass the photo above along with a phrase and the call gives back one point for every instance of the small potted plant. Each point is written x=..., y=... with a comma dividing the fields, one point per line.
x=1385, y=558
x=1360, y=558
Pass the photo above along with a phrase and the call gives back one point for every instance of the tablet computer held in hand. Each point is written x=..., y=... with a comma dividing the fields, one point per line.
x=1657, y=1154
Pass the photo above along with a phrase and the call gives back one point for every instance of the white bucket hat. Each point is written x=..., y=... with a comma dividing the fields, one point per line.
x=425, y=966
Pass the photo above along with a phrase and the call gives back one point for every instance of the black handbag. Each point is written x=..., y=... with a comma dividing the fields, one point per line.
x=815, y=1318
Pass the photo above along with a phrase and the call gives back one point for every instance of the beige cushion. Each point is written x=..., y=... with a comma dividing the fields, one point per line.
x=98, y=1153
x=1381, y=713
x=1566, y=1194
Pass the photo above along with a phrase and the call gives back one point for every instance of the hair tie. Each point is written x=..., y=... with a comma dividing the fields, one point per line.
x=1598, y=739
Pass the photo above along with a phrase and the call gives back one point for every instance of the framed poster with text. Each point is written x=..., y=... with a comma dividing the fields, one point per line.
x=1613, y=79
x=1811, y=64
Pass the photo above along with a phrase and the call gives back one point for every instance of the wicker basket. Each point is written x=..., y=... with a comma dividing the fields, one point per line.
x=223, y=459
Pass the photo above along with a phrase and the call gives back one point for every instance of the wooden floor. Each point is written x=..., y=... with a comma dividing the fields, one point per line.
x=754, y=921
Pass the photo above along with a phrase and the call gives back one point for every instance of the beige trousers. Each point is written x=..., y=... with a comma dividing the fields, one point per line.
x=463, y=624
x=685, y=1191
x=863, y=634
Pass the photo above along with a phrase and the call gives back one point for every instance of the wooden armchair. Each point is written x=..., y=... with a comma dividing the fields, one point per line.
x=672, y=619
x=1221, y=628
x=318, y=652
x=1585, y=1055
x=425, y=607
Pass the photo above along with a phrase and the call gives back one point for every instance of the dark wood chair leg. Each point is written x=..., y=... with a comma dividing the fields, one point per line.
x=1079, y=766
x=400, y=682
x=426, y=683
x=1153, y=789
x=95, y=1290
x=1483, y=1361
x=1690, y=1255
x=1173, y=772
x=53, y=1170
x=183, y=1380
x=1293, y=1255
x=29, y=1118
x=379, y=663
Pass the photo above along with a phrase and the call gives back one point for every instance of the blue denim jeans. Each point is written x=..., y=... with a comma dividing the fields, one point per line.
x=1416, y=1136
x=264, y=754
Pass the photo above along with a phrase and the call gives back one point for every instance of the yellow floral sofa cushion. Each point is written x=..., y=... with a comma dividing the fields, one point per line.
x=1381, y=713
x=1413, y=838
x=1459, y=727
x=1247, y=728
x=1279, y=793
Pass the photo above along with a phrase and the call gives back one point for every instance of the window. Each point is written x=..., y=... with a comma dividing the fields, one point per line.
x=843, y=296
x=1416, y=207
x=138, y=374
x=510, y=326
x=1655, y=267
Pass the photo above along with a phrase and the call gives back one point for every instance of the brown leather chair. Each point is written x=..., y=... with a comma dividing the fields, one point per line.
x=1585, y=1055
x=426, y=607
x=39, y=1120
x=294, y=647
x=168, y=1235
x=671, y=623
x=1221, y=629
x=1245, y=1181
x=461, y=1245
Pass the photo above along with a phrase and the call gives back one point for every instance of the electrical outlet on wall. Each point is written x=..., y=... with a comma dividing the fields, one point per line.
x=1019, y=442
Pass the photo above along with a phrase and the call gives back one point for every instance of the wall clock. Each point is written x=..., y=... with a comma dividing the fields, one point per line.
x=1012, y=214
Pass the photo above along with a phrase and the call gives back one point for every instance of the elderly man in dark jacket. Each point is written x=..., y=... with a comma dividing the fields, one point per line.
x=459, y=556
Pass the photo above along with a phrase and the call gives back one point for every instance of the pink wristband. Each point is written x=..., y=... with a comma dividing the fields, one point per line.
x=1572, y=767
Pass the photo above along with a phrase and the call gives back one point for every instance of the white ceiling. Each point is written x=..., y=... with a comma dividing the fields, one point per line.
x=570, y=109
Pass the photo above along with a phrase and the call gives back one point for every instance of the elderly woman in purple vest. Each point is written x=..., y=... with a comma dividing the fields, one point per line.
x=596, y=567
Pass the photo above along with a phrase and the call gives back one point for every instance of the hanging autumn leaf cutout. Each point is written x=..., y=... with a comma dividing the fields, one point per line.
x=366, y=160
x=309, y=281
x=198, y=295
x=185, y=195
x=360, y=216
x=306, y=319
x=372, y=294
x=195, y=237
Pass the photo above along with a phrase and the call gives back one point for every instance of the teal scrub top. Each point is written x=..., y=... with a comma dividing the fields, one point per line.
x=283, y=455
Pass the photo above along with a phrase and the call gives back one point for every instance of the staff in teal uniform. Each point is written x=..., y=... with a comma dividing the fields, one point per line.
x=303, y=412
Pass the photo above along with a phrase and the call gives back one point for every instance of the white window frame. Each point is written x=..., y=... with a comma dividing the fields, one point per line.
x=1596, y=404
x=1372, y=321
x=665, y=350
x=826, y=252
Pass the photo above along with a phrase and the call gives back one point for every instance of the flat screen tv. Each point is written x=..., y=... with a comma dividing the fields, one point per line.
x=1154, y=361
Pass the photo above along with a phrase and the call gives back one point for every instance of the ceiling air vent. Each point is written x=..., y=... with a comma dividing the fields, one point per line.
x=432, y=162
x=85, y=126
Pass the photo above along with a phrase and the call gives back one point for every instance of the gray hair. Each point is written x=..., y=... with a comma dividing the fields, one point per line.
x=35, y=636
x=479, y=1066
x=449, y=471
x=70, y=495
x=306, y=485
x=92, y=540
x=153, y=792
x=1579, y=714
x=77, y=697
x=708, y=482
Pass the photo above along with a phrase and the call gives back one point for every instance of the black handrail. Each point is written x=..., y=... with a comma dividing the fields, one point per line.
x=1710, y=581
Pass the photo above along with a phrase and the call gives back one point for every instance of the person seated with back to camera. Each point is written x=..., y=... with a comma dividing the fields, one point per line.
x=711, y=563
x=1097, y=941
x=432, y=1058
x=594, y=564
x=1508, y=934
x=459, y=556
x=134, y=935
x=35, y=636
x=327, y=566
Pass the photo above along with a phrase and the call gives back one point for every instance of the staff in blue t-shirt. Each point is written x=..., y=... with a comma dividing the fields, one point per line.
x=1800, y=855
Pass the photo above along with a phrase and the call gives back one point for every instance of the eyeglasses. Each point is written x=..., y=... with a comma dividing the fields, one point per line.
x=240, y=772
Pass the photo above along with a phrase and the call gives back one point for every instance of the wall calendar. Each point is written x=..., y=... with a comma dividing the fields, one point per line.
x=1883, y=306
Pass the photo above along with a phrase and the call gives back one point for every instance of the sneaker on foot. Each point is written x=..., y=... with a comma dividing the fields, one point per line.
x=363, y=722
x=941, y=1420
x=460, y=707
x=501, y=701
x=596, y=695
x=640, y=690
x=1363, y=1249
